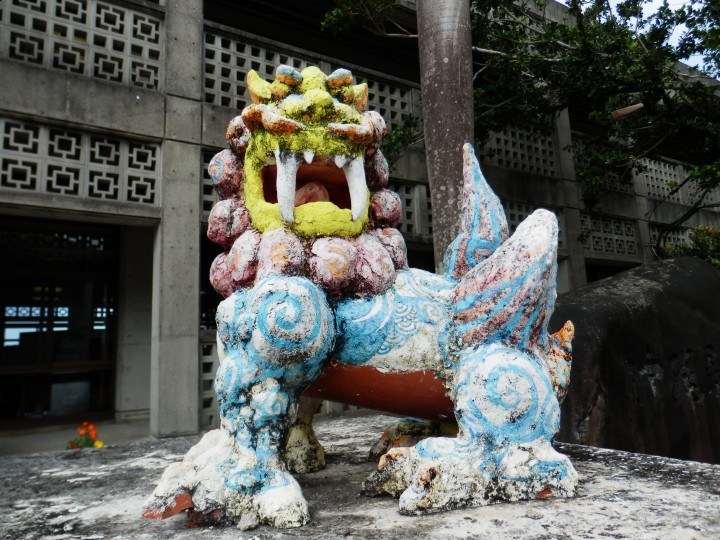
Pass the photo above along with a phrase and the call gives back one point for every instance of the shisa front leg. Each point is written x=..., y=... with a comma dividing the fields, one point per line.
x=273, y=340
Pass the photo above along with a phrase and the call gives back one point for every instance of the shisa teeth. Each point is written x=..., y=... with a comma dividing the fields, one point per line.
x=287, y=164
x=355, y=175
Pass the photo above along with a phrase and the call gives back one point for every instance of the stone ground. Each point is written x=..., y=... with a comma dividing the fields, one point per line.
x=99, y=494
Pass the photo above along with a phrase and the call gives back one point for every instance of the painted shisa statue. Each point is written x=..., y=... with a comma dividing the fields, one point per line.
x=317, y=288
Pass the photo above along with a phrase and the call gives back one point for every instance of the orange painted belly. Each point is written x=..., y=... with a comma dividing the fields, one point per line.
x=420, y=394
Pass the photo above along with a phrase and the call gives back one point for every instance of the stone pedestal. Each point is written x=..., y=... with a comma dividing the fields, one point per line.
x=621, y=495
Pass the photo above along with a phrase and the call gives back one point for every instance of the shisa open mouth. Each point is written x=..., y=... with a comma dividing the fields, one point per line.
x=293, y=179
x=313, y=190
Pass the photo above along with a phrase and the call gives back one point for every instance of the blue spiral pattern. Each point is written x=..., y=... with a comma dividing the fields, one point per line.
x=293, y=321
x=269, y=404
x=505, y=395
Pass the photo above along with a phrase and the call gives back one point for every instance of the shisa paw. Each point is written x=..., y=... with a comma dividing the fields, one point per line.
x=445, y=484
x=394, y=473
x=283, y=507
x=303, y=452
x=535, y=470
x=427, y=485
x=197, y=485
x=445, y=474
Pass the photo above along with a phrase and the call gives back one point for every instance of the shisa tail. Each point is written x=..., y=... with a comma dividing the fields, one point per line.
x=558, y=359
x=508, y=298
x=483, y=226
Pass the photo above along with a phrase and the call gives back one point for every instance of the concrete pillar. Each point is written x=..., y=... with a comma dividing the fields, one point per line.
x=564, y=282
x=174, y=376
x=577, y=277
x=132, y=387
x=184, y=48
x=574, y=269
x=643, y=206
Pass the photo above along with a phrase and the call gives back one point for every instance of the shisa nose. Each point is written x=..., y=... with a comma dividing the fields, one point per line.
x=317, y=103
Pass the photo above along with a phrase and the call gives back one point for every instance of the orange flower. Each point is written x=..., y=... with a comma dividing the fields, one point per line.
x=82, y=431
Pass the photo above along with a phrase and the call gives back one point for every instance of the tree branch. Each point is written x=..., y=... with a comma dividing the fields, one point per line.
x=669, y=194
x=491, y=52
x=404, y=30
x=669, y=227
x=493, y=107
x=479, y=71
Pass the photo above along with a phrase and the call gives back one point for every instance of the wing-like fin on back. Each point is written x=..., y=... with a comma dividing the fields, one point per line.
x=483, y=225
x=509, y=297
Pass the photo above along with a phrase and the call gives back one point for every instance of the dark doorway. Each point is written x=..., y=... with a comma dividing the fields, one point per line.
x=421, y=256
x=58, y=300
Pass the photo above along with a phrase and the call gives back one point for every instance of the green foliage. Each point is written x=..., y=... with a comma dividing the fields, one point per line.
x=704, y=243
x=604, y=62
x=529, y=65
x=702, y=20
x=372, y=14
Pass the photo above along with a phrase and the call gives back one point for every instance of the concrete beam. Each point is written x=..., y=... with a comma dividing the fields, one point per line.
x=48, y=206
x=411, y=165
x=616, y=203
x=523, y=187
x=65, y=98
x=214, y=124
x=183, y=119
x=667, y=212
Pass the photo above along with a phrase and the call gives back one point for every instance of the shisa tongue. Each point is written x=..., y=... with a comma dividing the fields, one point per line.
x=287, y=164
x=311, y=192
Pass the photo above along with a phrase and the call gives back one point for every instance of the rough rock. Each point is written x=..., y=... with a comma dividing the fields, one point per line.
x=646, y=371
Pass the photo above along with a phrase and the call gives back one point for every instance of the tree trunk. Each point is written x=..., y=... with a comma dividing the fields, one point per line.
x=447, y=102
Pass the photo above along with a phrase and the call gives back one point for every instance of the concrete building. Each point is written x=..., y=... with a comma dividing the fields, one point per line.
x=110, y=112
